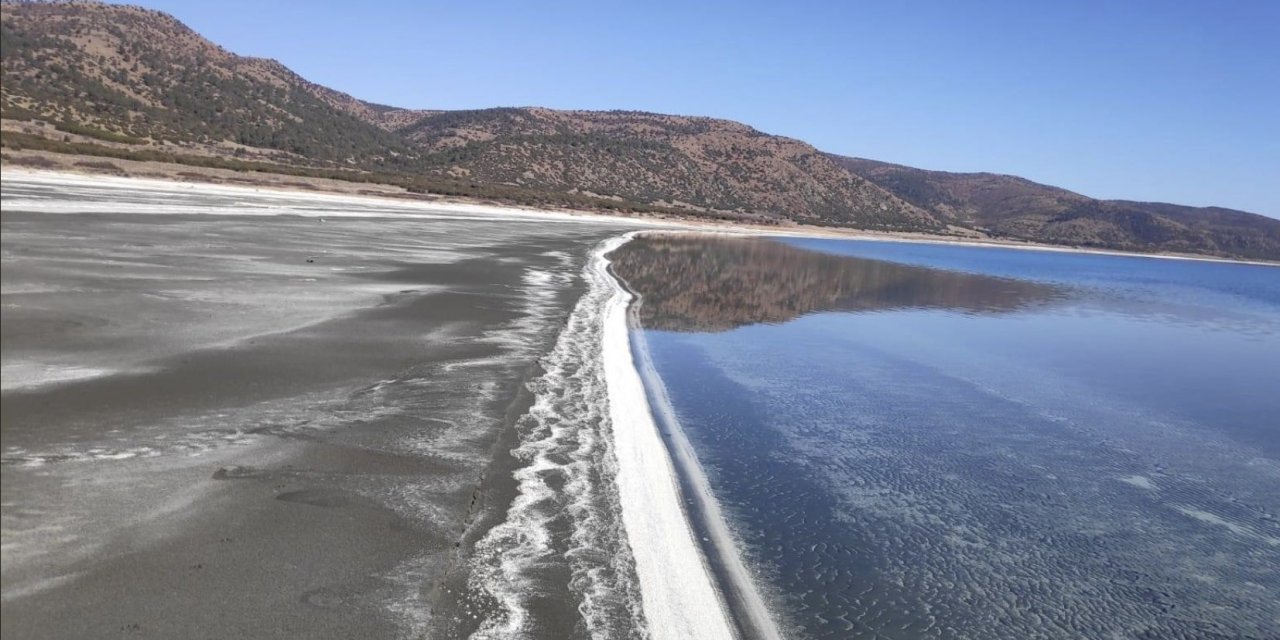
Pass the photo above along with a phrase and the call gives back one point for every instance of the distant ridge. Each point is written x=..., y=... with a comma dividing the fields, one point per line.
x=134, y=83
x=1013, y=207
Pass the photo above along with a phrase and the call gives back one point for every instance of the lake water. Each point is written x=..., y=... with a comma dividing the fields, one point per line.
x=931, y=441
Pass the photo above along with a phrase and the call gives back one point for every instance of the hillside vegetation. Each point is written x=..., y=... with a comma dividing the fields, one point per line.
x=686, y=162
x=131, y=75
x=133, y=83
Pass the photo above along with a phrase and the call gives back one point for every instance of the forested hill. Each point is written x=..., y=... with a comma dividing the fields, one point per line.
x=134, y=83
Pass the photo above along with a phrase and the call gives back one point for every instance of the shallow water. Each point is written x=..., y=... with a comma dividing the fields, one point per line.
x=929, y=441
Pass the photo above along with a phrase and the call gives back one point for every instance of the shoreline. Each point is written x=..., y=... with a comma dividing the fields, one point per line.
x=386, y=207
x=288, y=186
x=676, y=605
x=306, y=481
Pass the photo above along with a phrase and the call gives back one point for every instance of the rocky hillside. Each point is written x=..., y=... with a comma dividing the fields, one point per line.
x=1008, y=206
x=136, y=84
x=130, y=75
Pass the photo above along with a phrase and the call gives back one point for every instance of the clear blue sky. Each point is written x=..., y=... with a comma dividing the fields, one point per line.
x=1162, y=100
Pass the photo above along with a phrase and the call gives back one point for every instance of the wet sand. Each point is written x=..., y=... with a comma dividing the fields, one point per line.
x=222, y=426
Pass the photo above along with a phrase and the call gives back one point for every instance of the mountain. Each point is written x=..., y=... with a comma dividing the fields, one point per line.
x=1012, y=207
x=134, y=76
x=132, y=83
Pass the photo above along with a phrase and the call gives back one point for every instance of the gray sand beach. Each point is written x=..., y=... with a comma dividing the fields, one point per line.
x=239, y=414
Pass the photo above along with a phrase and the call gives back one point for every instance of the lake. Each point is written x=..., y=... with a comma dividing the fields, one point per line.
x=915, y=440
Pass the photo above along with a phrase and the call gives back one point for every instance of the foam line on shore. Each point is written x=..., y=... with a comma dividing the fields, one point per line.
x=598, y=495
x=567, y=513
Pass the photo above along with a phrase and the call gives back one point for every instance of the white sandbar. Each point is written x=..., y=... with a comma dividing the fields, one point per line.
x=680, y=598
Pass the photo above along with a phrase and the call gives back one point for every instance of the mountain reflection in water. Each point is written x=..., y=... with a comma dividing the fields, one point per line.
x=715, y=283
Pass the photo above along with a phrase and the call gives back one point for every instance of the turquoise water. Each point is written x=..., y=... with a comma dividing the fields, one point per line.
x=930, y=441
